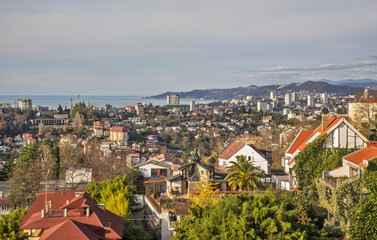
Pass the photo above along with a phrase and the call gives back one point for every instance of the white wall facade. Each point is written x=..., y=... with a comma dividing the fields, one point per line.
x=251, y=155
x=146, y=169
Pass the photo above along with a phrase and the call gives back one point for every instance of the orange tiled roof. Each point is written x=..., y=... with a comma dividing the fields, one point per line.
x=231, y=149
x=332, y=121
x=303, y=135
x=365, y=154
x=117, y=129
x=71, y=229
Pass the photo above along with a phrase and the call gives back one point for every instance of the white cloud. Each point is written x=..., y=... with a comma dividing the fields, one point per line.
x=332, y=71
x=182, y=45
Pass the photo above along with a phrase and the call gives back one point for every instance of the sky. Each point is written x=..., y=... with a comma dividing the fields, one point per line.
x=147, y=47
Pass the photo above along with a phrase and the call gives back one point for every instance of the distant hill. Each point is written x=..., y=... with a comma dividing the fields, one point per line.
x=366, y=82
x=264, y=91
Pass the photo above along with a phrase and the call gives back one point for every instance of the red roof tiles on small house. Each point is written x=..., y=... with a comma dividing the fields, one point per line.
x=71, y=229
x=71, y=212
x=232, y=149
x=366, y=154
x=301, y=137
x=117, y=129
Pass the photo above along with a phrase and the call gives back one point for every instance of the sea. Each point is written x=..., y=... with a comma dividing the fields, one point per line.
x=52, y=102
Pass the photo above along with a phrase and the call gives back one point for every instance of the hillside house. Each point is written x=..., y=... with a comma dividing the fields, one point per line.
x=70, y=215
x=260, y=158
x=340, y=134
x=352, y=165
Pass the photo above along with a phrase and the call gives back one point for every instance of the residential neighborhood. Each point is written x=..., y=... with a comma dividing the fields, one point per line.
x=168, y=159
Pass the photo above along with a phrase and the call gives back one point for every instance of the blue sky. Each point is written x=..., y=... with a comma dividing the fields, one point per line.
x=137, y=47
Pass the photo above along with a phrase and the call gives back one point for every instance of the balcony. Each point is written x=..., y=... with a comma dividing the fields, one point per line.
x=334, y=182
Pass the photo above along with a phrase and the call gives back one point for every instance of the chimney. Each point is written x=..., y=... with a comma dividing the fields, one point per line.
x=371, y=144
x=87, y=212
x=324, y=121
x=43, y=213
x=175, y=167
x=212, y=161
x=65, y=212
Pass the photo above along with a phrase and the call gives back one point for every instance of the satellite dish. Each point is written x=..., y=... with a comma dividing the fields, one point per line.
x=365, y=164
x=111, y=114
x=38, y=114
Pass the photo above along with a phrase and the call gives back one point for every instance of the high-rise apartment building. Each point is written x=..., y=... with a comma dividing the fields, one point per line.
x=172, y=99
x=288, y=99
x=273, y=95
x=24, y=104
x=262, y=106
x=192, y=106
x=325, y=98
x=293, y=97
x=310, y=100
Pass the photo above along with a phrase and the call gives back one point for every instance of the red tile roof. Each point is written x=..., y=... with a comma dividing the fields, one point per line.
x=71, y=229
x=97, y=220
x=303, y=135
x=117, y=129
x=232, y=149
x=163, y=158
x=365, y=154
x=331, y=122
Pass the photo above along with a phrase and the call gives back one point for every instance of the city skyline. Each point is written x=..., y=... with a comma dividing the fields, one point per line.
x=150, y=47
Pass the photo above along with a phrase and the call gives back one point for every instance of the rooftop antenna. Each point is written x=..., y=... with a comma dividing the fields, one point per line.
x=46, y=203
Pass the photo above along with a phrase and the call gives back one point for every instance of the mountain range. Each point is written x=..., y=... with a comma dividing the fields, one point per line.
x=338, y=88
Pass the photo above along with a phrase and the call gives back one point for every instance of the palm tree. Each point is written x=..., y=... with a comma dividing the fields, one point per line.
x=242, y=175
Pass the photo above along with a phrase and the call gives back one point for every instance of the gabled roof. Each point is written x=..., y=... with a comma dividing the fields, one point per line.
x=98, y=220
x=185, y=166
x=163, y=158
x=205, y=166
x=237, y=145
x=300, y=140
x=71, y=229
x=301, y=137
x=154, y=162
x=300, y=143
x=78, y=202
x=171, y=178
x=357, y=157
x=117, y=129
x=232, y=149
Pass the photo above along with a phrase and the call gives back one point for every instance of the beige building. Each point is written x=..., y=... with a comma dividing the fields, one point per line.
x=363, y=111
x=139, y=109
x=118, y=134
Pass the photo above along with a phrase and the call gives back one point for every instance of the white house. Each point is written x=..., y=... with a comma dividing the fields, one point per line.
x=351, y=165
x=340, y=134
x=260, y=158
x=160, y=165
x=153, y=168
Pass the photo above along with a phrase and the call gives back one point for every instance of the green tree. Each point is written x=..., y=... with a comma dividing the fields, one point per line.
x=115, y=193
x=60, y=109
x=9, y=225
x=243, y=175
x=8, y=167
x=314, y=159
x=133, y=232
x=56, y=156
x=26, y=177
x=260, y=216
x=364, y=221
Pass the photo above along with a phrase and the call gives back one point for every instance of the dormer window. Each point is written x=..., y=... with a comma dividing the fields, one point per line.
x=78, y=194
